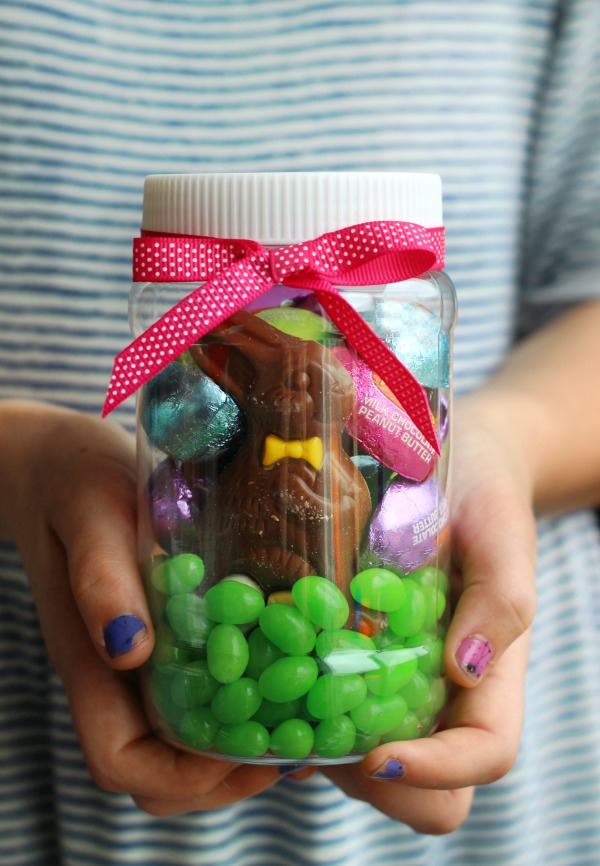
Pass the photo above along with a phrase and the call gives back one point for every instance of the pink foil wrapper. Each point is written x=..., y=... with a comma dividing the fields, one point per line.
x=406, y=527
x=381, y=424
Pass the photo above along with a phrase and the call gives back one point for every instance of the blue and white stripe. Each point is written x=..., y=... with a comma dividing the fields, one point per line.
x=500, y=98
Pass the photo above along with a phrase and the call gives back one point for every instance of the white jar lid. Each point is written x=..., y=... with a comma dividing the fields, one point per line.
x=276, y=208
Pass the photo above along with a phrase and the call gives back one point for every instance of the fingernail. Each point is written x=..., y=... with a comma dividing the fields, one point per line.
x=474, y=655
x=284, y=769
x=392, y=769
x=124, y=633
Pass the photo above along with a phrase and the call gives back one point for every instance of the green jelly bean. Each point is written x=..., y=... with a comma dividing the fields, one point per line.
x=366, y=742
x=429, y=575
x=233, y=602
x=166, y=651
x=410, y=728
x=333, y=695
x=262, y=653
x=227, y=653
x=236, y=702
x=247, y=740
x=288, y=678
x=321, y=601
x=334, y=737
x=378, y=589
x=387, y=638
x=270, y=713
x=435, y=603
x=293, y=738
x=187, y=617
x=198, y=728
x=432, y=659
x=193, y=685
x=182, y=573
x=376, y=715
x=416, y=691
x=390, y=676
x=161, y=680
x=288, y=629
x=409, y=618
x=340, y=640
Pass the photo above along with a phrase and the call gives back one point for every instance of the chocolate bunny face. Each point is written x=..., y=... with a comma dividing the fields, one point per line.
x=291, y=502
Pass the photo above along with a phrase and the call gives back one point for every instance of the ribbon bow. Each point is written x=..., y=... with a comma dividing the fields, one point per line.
x=236, y=272
x=310, y=450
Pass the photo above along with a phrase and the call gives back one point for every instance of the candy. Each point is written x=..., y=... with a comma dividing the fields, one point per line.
x=290, y=477
x=376, y=715
x=198, y=728
x=334, y=737
x=365, y=742
x=293, y=738
x=181, y=573
x=193, y=685
x=415, y=692
x=262, y=653
x=233, y=602
x=321, y=601
x=390, y=677
x=273, y=713
x=226, y=653
x=186, y=414
x=409, y=618
x=186, y=614
x=342, y=641
x=300, y=323
x=333, y=695
x=236, y=702
x=414, y=334
x=375, y=474
x=378, y=588
x=406, y=527
x=288, y=629
x=174, y=506
x=381, y=424
x=431, y=661
x=246, y=740
x=288, y=678
x=410, y=728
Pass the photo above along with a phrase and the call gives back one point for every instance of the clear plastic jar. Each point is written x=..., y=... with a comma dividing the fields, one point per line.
x=294, y=539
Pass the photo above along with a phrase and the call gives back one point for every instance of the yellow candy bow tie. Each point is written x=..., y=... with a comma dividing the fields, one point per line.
x=310, y=450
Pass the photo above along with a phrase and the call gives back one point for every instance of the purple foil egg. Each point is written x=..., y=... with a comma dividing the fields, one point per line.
x=406, y=527
x=175, y=507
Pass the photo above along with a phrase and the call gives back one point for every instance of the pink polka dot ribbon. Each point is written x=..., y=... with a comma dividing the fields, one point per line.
x=234, y=272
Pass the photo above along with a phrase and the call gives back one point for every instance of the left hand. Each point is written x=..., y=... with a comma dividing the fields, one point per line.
x=494, y=551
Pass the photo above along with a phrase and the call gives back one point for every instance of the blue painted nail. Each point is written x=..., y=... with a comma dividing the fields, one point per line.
x=392, y=769
x=123, y=633
x=284, y=769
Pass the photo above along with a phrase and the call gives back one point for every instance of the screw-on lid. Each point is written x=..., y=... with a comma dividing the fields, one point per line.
x=278, y=208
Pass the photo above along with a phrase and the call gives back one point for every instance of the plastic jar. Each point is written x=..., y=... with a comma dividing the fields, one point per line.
x=293, y=521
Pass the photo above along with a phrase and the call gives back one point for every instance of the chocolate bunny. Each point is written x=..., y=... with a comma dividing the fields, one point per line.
x=291, y=502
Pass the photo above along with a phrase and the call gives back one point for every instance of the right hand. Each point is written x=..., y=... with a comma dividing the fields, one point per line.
x=72, y=513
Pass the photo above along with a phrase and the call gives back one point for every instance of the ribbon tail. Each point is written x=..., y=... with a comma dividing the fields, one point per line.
x=381, y=360
x=184, y=324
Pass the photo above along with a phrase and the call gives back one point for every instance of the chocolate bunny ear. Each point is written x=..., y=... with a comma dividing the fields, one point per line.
x=234, y=352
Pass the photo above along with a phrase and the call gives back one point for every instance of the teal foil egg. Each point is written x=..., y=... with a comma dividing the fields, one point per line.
x=185, y=414
x=414, y=334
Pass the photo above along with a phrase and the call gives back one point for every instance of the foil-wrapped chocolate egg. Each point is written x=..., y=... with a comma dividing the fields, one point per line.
x=406, y=528
x=414, y=334
x=381, y=424
x=175, y=506
x=186, y=414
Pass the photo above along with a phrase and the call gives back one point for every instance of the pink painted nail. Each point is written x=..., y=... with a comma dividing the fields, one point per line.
x=474, y=655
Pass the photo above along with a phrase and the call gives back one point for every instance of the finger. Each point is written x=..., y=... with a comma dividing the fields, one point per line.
x=481, y=742
x=95, y=521
x=120, y=748
x=494, y=549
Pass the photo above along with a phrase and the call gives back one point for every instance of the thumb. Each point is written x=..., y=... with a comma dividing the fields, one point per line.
x=96, y=526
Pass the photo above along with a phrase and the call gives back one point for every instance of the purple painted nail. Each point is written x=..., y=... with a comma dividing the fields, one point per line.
x=474, y=655
x=392, y=769
x=285, y=769
x=123, y=633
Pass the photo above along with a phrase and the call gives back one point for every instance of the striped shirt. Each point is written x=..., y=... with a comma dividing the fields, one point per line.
x=502, y=99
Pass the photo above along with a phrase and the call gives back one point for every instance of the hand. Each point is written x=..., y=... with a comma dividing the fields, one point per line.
x=73, y=516
x=493, y=541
